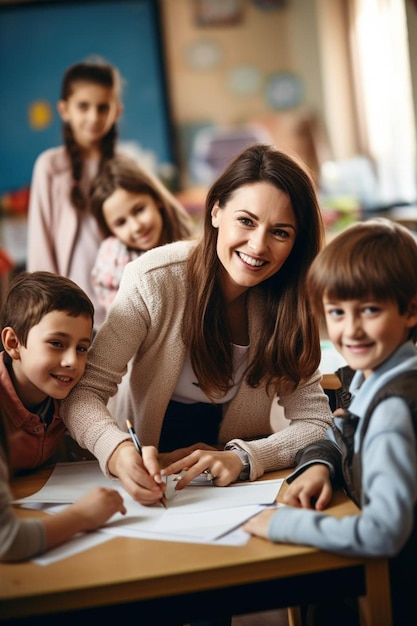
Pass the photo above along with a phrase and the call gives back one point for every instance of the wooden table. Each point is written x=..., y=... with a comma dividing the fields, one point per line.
x=170, y=582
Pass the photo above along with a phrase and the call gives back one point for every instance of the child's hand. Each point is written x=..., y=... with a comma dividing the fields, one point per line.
x=259, y=524
x=97, y=507
x=311, y=490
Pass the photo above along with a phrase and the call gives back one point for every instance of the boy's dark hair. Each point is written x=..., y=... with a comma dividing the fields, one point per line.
x=32, y=295
x=372, y=259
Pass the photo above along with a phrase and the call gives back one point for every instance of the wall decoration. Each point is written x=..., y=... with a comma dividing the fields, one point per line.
x=217, y=12
x=40, y=114
x=284, y=91
x=203, y=54
x=245, y=79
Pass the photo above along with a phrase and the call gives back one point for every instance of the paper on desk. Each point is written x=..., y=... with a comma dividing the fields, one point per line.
x=69, y=548
x=237, y=537
x=70, y=481
x=206, y=526
x=195, y=514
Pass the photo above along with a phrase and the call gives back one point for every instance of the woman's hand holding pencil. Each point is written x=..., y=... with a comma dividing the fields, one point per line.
x=139, y=472
x=138, y=447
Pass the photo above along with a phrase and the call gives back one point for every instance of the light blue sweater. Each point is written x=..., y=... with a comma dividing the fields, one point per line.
x=389, y=471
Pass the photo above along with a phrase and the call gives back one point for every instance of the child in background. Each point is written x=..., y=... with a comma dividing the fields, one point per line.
x=365, y=284
x=47, y=324
x=135, y=213
x=63, y=236
x=22, y=539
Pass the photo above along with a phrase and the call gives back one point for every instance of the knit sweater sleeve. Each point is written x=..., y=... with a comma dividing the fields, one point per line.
x=20, y=539
x=127, y=326
x=309, y=415
x=389, y=495
x=325, y=452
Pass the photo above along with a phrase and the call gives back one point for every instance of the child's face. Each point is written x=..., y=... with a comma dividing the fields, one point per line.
x=54, y=358
x=366, y=332
x=134, y=218
x=91, y=110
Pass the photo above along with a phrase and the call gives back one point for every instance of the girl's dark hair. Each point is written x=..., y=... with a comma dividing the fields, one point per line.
x=101, y=74
x=288, y=350
x=122, y=172
x=375, y=259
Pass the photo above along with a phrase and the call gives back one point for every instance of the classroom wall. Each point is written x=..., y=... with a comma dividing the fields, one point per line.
x=260, y=68
x=263, y=42
x=40, y=40
x=217, y=75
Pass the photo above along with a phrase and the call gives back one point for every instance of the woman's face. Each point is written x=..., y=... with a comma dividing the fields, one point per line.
x=256, y=233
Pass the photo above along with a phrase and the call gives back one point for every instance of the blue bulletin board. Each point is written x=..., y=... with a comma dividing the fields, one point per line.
x=40, y=40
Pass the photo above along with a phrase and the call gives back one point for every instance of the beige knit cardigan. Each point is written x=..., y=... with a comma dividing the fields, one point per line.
x=142, y=336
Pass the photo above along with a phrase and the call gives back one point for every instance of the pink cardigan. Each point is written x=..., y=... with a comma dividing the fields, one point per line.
x=54, y=223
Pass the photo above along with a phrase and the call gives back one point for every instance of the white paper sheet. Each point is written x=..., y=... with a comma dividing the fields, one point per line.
x=74, y=546
x=69, y=481
x=196, y=514
x=209, y=525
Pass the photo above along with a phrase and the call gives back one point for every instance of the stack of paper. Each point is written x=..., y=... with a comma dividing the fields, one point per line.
x=203, y=514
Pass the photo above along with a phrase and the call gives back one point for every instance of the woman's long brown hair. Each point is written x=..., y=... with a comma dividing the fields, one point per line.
x=288, y=350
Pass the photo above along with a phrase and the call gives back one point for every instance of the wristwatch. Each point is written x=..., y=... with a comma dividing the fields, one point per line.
x=244, y=457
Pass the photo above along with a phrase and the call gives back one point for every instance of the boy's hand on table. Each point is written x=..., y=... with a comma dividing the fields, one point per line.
x=259, y=524
x=140, y=475
x=310, y=490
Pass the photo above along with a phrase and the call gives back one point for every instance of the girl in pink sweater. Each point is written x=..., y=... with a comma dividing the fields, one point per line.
x=135, y=213
x=63, y=235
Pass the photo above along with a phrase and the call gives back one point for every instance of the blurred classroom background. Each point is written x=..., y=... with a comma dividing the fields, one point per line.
x=333, y=82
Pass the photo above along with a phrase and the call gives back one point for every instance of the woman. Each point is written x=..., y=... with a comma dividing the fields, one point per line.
x=216, y=329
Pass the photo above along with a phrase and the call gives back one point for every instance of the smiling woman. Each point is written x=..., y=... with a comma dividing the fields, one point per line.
x=256, y=234
x=211, y=333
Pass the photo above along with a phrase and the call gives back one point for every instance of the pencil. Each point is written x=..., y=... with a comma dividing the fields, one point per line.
x=134, y=437
x=138, y=447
